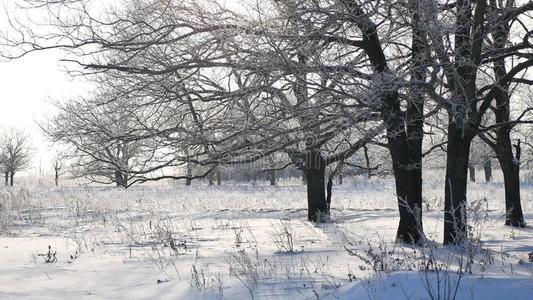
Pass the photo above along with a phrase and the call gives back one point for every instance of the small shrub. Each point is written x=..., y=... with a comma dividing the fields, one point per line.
x=282, y=236
x=49, y=257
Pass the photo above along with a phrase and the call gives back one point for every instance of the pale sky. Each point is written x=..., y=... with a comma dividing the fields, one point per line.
x=27, y=86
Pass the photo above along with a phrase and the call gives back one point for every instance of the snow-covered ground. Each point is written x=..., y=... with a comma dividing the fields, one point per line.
x=241, y=241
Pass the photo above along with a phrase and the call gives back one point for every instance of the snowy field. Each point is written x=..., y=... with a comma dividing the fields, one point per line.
x=239, y=241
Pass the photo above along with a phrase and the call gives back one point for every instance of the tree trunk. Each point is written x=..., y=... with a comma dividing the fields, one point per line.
x=56, y=179
x=314, y=168
x=513, y=207
x=408, y=191
x=458, y=150
x=188, y=181
x=211, y=178
x=125, y=178
x=511, y=177
x=367, y=161
x=12, y=175
x=406, y=145
x=487, y=167
x=340, y=179
x=7, y=178
x=120, y=178
x=219, y=176
x=472, y=172
x=272, y=177
x=329, y=192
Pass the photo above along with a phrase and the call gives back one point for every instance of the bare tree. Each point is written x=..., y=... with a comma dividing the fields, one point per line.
x=463, y=53
x=499, y=137
x=480, y=155
x=15, y=153
x=99, y=143
x=58, y=166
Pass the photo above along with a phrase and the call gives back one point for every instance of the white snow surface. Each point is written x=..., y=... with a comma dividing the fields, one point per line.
x=233, y=241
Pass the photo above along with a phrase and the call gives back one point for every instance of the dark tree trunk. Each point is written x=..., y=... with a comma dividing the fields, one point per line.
x=329, y=192
x=272, y=177
x=56, y=179
x=121, y=179
x=405, y=135
x=408, y=191
x=472, y=172
x=458, y=150
x=117, y=178
x=314, y=168
x=188, y=181
x=12, y=175
x=464, y=116
x=405, y=147
x=511, y=177
x=487, y=167
x=367, y=161
x=211, y=178
x=125, y=178
x=219, y=176
x=340, y=179
x=513, y=206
